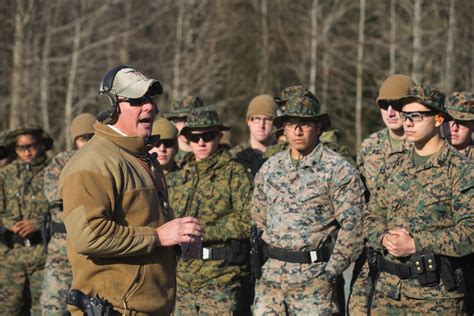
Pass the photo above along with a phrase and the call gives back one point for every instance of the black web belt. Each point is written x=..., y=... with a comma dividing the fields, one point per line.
x=319, y=255
x=402, y=271
x=208, y=253
x=58, y=228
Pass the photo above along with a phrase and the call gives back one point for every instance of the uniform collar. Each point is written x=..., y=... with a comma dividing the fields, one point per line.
x=133, y=144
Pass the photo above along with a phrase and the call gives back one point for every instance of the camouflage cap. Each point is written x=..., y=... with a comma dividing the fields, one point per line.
x=204, y=117
x=394, y=87
x=182, y=107
x=424, y=94
x=301, y=107
x=294, y=91
x=82, y=125
x=164, y=128
x=460, y=106
x=30, y=130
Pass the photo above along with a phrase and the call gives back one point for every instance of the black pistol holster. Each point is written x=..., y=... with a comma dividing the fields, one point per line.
x=257, y=258
x=90, y=306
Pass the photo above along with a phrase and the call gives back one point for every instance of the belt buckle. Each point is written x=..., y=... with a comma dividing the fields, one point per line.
x=313, y=256
x=206, y=253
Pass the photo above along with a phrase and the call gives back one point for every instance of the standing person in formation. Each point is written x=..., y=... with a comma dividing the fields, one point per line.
x=458, y=131
x=330, y=138
x=58, y=274
x=374, y=153
x=167, y=145
x=179, y=112
x=121, y=235
x=260, y=113
x=217, y=190
x=308, y=201
x=22, y=206
x=420, y=219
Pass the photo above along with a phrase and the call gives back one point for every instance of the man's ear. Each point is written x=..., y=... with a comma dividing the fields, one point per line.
x=439, y=119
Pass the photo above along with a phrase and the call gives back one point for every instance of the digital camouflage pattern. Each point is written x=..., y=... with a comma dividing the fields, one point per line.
x=460, y=106
x=431, y=97
x=216, y=190
x=22, y=197
x=251, y=159
x=433, y=202
x=376, y=150
x=182, y=107
x=58, y=274
x=182, y=158
x=202, y=118
x=214, y=299
x=301, y=107
x=297, y=208
x=31, y=130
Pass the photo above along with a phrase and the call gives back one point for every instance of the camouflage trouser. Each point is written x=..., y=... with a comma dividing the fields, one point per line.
x=57, y=278
x=21, y=276
x=211, y=300
x=382, y=305
x=314, y=297
x=360, y=297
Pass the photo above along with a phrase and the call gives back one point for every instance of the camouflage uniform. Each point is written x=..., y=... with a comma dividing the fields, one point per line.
x=460, y=106
x=433, y=202
x=58, y=274
x=250, y=158
x=217, y=190
x=22, y=197
x=297, y=208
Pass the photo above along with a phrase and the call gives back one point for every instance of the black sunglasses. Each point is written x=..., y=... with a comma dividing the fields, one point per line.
x=384, y=104
x=140, y=101
x=168, y=143
x=206, y=137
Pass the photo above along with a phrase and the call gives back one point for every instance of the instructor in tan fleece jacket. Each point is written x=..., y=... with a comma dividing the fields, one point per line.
x=120, y=231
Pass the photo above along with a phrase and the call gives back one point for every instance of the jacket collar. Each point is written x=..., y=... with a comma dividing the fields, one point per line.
x=133, y=144
x=310, y=160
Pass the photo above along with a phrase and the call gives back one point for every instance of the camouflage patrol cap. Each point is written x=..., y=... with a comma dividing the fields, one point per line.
x=430, y=97
x=302, y=107
x=164, y=128
x=204, y=117
x=394, y=87
x=294, y=91
x=30, y=130
x=82, y=125
x=182, y=107
x=460, y=106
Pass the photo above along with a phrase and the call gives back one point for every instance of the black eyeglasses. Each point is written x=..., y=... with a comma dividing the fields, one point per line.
x=140, y=101
x=416, y=116
x=168, y=143
x=206, y=137
x=29, y=147
x=384, y=104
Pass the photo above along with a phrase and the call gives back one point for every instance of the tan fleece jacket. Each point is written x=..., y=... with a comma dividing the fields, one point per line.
x=111, y=209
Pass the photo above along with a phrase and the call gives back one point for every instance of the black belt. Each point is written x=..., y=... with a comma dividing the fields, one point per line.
x=319, y=255
x=58, y=228
x=208, y=253
x=402, y=271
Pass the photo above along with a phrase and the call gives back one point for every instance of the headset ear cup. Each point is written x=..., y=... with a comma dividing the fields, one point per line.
x=108, y=108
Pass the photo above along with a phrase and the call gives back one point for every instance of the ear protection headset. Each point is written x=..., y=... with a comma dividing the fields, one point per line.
x=108, y=101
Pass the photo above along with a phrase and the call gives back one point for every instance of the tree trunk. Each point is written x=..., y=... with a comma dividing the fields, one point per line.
x=44, y=77
x=449, y=72
x=393, y=30
x=359, y=79
x=71, y=83
x=125, y=44
x=177, y=54
x=265, y=50
x=417, y=48
x=325, y=86
x=314, y=46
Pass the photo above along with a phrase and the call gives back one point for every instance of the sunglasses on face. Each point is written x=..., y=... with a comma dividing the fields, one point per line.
x=416, y=116
x=140, y=101
x=168, y=143
x=26, y=147
x=384, y=104
x=292, y=124
x=206, y=137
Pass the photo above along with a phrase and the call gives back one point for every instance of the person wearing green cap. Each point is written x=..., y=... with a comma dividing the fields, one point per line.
x=260, y=113
x=22, y=205
x=180, y=110
x=420, y=220
x=374, y=153
x=460, y=127
x=330, y=138
x=167, y=145
x=58, y=274
x=122, y=236
x=216, y=189
x=308, y=202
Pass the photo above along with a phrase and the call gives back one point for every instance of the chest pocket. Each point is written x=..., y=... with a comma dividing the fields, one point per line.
x=436, y=203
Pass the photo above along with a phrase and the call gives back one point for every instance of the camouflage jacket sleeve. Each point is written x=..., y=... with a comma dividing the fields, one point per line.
x=347, y=195
x=51, y=177
x=259, y=201
x=456, y=240
x=375, y=224
x=235, y=224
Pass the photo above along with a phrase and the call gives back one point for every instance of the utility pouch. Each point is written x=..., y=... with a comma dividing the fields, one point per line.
x=373, y=266
x=426, y=268
x=448, y=275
